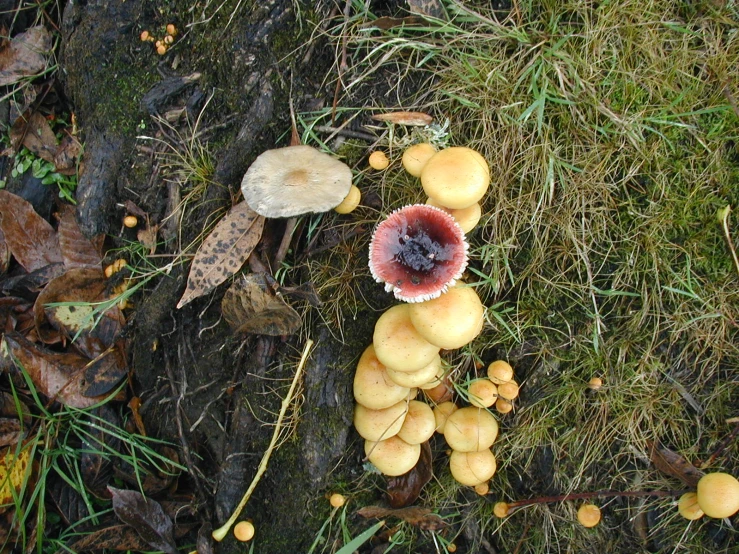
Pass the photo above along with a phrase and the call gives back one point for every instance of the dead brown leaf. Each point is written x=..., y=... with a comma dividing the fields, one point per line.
x=224, y=251
x=4, y=254
x=58, y=376
x=67, y=155
x=148, y=237
x=30, y=237
x=25, y=55
x=33, y=131
x=429, y=8
x=405, y=118
x=10, y=431
x=82, y=287
x=420, y=517
x=77, y=250
x=250, y=306
x=673, y=464
x=404, y=490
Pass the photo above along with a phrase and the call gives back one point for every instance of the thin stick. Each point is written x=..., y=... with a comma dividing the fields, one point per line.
x=587, y=495
x=724, y=219
x=220, y=533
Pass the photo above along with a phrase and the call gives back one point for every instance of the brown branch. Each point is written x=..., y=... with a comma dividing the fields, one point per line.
x=588, y=495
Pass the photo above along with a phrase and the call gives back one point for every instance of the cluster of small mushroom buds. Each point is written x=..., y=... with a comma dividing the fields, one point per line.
x=463, y=203
x=405, y=357
x=122, y=287
x=717, y=495
x=163, y=44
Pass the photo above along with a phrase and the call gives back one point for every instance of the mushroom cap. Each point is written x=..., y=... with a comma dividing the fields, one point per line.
x=244, y=531
x=337, y=500
x=472, y=468
x=588, y=515
x=500, y=372
x=350, y=203
x=418, y=252
x=441, y=414
x=373, y=387
x=501, y=509
x=688, y=506
x=456, y=177
x=508, y=390
x=416, y=156
x=378, y=160
x=421, y=378
x=451, y=320
x=718, y=494
x=294, y=180
x=392, y=456
x=482, y=393
x=376, y=425
x=470, y=429
x=397, y=343
x=419, y=424
x=468, y=217
x=503, y=406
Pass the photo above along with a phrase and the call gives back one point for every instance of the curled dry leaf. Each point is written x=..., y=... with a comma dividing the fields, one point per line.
x=30, y=238
x=404, y=490
x=224, y=251
x=673, y=464
x=24, y=55
x=250, y=306
x=429, y=8
x=420, y=517
x=418, y=119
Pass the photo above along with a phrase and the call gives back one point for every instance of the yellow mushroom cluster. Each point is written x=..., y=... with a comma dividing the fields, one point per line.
x=404, y=357
x=160, y=44
x=717, y=496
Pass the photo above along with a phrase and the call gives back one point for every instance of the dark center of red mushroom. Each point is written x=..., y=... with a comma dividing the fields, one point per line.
x=418, y=252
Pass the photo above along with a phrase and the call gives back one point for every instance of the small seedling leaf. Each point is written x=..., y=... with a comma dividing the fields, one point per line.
x=147, y=517
x=673, y=464
x=224, y=251
x=29, y=237
x=250, y=306
x=25, y=55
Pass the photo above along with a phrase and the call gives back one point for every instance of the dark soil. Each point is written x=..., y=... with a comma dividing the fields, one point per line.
x=203, y=389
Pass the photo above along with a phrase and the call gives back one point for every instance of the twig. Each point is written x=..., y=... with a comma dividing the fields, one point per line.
x=345, y=132
x=287, y=238
x=586, y=495
x=342, y=65
x=721, y=447
x=220, y=533
x=723, y=217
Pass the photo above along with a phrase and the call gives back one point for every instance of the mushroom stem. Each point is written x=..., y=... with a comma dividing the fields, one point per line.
x=588, y=495
x=287, y=238
x=220, y=533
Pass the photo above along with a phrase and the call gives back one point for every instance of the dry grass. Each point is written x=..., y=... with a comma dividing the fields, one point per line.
x=611, y=135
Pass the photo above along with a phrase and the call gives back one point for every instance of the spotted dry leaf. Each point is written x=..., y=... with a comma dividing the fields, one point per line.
x=420, y=517
x=224, y=251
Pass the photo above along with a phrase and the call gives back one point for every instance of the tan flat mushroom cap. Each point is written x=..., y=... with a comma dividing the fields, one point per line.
x=419, y=424
x=392, y=456
x=377, y=425
x=472, y=468
x=451, y=320
x=420, y=378
x=456, y=177
x=470, y=429
x=398, y=345
x=294, y=180
x=373, y=387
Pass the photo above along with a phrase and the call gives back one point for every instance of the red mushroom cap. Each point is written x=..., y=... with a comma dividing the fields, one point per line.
x=418, y=252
